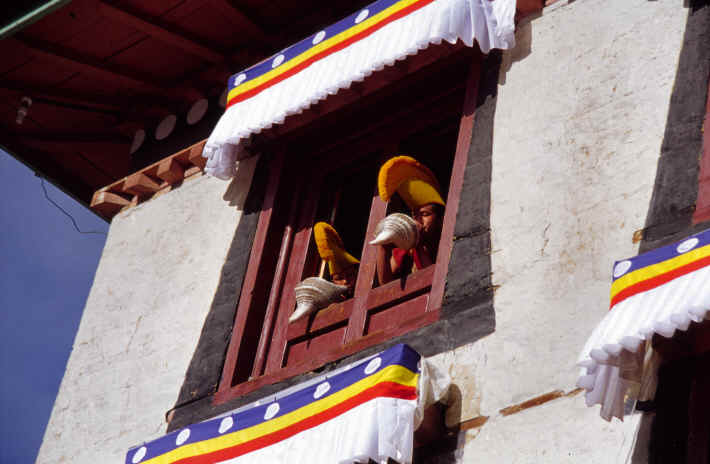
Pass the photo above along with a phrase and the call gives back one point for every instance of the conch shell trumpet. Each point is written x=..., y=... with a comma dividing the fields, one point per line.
x=313, y=294
x=398, y=229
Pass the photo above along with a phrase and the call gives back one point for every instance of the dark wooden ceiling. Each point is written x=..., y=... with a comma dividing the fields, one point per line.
x=98, y=71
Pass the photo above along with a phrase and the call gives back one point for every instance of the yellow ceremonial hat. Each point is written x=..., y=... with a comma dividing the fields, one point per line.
x=331, y=248
x=414, y=182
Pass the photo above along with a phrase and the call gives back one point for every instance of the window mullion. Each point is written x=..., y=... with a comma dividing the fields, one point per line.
x=463, y=144
x=368, y=261
x=244, y=307
x=299, y=255
x=277, y=285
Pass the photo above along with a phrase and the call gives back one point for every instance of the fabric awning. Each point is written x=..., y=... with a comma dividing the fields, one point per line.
x=366, y=410
x=658, y=292
x=347, y=51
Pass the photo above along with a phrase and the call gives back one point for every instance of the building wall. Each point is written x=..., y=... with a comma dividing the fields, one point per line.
x=154, y=285
x=581, y=111
x=579, y=121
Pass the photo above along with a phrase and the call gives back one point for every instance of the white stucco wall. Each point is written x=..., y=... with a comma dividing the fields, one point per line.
x=564, y=430
x=579, y=122
x=152, y=290
x=580, y=118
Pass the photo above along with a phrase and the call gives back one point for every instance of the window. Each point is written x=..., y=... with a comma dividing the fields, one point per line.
x=328, y=172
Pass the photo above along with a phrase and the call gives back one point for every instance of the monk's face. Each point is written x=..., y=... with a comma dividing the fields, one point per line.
x=346, y=277
x=427, y=217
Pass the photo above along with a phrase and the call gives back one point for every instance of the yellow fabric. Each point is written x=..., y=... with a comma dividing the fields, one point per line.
x=393, y=373
x=331, y=249
x=413, y=181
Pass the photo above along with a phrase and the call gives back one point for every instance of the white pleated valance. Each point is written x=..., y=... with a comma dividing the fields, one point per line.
x=347, y=51
x=364, y=411
x=658, y=292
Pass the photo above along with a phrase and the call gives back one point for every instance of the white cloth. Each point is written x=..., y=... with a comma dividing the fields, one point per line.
x=617, y=364
x=491, y=23
x=377, y=430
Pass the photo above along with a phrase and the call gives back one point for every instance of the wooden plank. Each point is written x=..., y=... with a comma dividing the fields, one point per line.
x=73, y=137
x=324, y=318
x=244, y=306
x=242, y=22
x=66, y=57
x=456, y=184
x=391, y=318
x=401, y=288
x=107, y=204
x=170, y=171
x=299, y=255
x=277, y=285
x=161, y=31
x=140, y=184
x=379, y=296
x=117, y=105
x=325, y=357
x=191, y=156
x=366, y=274
x=195, y=156
x=305, y=349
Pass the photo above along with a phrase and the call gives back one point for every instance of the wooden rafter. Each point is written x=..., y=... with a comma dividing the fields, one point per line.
x=73, y=60
x=73, y=137
x=162, y=31
x=89, y=101
x=149, y=181
x=238, y=18
x=131, y=113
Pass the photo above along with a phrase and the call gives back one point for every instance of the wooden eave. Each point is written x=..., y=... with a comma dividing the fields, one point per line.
x=98, y=71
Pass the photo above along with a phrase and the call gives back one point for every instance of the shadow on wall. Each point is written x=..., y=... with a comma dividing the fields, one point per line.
x=522, y=49
x=663, y=434
x=203, y=374
x=236, y=194
x=675, y=190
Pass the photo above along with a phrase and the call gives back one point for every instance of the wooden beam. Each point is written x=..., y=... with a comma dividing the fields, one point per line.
x=144, y=183
x=69, y=58
x=140, y=184
x=89, y=101
x=123, y=106
x=170, y=171
x=195, y=156
x=73, y=137
x=107, y=204
x=161, y=31
x=242, y=21
x=463, y=147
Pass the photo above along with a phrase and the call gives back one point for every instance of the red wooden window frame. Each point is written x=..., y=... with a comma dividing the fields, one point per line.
x=372, y=315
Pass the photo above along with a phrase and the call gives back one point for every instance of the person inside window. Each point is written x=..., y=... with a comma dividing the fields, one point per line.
x=419, y=189
x=342, y=265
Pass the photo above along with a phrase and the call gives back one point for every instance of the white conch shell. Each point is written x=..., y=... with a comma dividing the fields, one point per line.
x=398, y=229
x=313, y=294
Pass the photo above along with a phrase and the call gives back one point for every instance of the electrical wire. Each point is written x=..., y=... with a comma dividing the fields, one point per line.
x=46, y=195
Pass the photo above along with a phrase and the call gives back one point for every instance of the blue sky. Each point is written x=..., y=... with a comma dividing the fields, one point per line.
x=46, y=272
